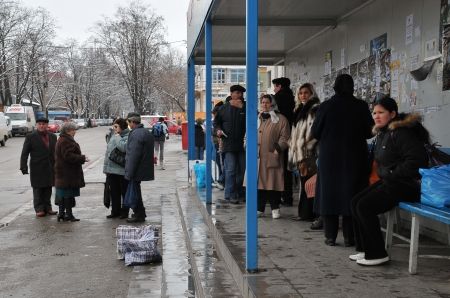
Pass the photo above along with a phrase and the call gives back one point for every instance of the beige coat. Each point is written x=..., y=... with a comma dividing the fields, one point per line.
x=270, y=163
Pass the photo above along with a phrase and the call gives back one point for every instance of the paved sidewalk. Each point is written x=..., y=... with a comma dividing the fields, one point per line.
x=295, y=262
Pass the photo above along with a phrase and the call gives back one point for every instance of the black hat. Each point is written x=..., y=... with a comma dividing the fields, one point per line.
x=237, y=88
x=42, y=119
x=284, y=82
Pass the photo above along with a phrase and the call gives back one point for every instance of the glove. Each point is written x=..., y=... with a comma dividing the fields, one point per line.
x=167, y=137
x=24, y=171
x=277, y=147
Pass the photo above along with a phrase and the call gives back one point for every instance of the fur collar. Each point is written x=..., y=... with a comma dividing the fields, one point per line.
x=303, y=110
x=403, y=120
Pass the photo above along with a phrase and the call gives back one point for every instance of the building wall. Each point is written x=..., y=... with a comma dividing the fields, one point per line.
x=353, y=35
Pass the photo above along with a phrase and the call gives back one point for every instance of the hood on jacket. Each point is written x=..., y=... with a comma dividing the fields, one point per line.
x=408, y=120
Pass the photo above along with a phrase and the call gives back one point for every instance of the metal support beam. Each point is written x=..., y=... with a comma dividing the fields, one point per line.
x=241, y=54
x=276, y=22
x=191, y=108
x=208, y=87
x=251, y=126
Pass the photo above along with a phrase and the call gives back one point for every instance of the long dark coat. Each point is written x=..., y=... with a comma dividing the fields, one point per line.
x=68, y=163
x=139, y=164
x=231, y=120
x=342, y=125
x=42, y=159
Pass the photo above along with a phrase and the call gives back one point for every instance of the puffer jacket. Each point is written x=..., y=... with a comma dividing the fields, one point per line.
x=119, y=141
x=399, y=153
x=139, y=164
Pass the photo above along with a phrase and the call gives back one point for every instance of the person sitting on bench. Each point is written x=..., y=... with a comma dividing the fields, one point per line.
x=399, y=152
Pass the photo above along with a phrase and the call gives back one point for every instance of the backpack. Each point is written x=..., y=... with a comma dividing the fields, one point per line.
x=158, y=130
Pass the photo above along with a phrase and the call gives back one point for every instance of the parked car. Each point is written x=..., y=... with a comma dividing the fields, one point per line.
x=54, y=126
x=173, y=127
x=9, y=125
x=3, y=130
x=81, y=123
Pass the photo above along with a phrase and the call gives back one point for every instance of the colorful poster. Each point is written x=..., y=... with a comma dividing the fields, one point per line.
x=378, y=44
x=409, y=29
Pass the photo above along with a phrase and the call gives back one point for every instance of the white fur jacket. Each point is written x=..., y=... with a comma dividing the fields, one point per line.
x=302, y=144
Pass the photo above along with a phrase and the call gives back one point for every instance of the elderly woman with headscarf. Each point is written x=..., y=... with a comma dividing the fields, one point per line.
x=273, y=136
x=69, y=176
x=342, y=125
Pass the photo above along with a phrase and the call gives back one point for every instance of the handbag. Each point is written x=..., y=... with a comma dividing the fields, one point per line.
x=118, y=157
x=307, y=167
x=107, y=194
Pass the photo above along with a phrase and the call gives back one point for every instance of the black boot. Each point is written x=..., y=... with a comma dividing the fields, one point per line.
x=69, y=216
x=61, y=213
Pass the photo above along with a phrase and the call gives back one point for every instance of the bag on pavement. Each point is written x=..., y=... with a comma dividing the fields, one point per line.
x=200, y=174
x=131, y=196
x=107, y=194
x=435, y=186
x=138, y=245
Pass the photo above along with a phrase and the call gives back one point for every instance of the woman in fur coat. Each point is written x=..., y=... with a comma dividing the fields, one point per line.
x=399, y=153
x=303, y=147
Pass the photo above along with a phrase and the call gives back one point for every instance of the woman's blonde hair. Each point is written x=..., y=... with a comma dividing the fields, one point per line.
x=311, y=89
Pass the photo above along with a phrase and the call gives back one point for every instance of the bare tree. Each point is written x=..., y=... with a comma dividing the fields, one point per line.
x=132, y=40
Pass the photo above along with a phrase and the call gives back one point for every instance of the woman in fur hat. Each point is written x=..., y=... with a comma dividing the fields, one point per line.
x=399, y=153
x=303, y=147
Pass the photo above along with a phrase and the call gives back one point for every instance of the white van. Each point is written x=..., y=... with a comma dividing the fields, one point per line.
x=22, y=119
x=3, y=130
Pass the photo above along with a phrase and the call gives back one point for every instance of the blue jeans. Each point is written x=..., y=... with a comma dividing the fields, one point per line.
x=199, y=151
x=234, y=167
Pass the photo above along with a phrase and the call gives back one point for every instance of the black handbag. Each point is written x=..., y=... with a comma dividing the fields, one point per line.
x=118, y=157
x=107, y=194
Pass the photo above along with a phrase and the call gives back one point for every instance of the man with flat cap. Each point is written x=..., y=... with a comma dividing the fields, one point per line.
x=229, y=124
x=139, y=164
x=40, y=146
x=284, y=98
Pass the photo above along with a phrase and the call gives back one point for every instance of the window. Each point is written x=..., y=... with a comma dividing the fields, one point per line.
x=237, y=75
x=218, y=76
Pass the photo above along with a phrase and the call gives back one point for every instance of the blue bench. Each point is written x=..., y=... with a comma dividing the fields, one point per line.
x=417, y=211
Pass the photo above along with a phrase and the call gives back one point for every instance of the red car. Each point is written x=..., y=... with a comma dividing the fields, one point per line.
x=53, y=126
x=173, y=127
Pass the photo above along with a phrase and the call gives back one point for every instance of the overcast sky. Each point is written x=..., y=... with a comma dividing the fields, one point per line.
x=76, y=18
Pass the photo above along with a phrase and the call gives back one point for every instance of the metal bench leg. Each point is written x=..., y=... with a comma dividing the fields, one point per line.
x=414, y=245
x=398, y=220
x=389, y=230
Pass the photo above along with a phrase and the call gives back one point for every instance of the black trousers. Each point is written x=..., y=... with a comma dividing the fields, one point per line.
x=287, y=193
x=41, y=198
x=331, y=227
x=366, y=206
x=118, y=187
x=273, y=196
x=139, y=211
x=305, y=205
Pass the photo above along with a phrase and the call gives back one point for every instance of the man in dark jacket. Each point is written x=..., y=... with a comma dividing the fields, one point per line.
x=229, y=124
x=40, y=145
x=139, y=165
x=284, y=98
x=342, y=125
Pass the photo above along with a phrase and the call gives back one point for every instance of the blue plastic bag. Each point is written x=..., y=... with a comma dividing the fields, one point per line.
x=200, y=174
x=435, y=186
x=131, y=196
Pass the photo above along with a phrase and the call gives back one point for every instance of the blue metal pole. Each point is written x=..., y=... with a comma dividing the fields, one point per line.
x=191, y=108
x=208, y=87
x=251, y=124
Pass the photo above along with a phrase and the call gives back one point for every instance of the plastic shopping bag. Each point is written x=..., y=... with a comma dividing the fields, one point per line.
x=131, y=196
x=435, y=186
x=200, y=174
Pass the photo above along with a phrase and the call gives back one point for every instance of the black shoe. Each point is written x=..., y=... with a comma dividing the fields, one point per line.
x=71, y=218
x=135, y=219
x=123, y=216
x=112, y=216
x=317, y=224
x=61, y=216
x=330, y=242
x=234, y=201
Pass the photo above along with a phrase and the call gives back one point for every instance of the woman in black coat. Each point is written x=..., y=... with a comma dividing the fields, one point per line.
x=69, y=176
x=399, y=153
x=199, y=139
x=342, y=125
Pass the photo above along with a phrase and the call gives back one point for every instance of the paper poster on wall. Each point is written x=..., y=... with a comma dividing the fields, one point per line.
x=378, y=44
x=430, y=48
x=446, y=58
x=363, y=79
x=342, y=57
x=409, y=29
x=353, y=71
